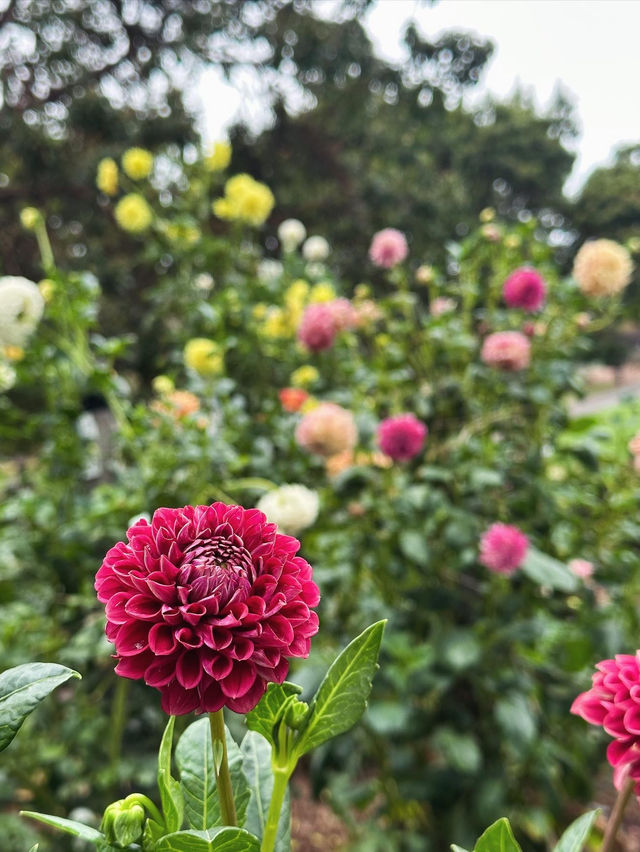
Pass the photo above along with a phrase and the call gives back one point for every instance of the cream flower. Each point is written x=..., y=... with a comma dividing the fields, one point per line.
x=21, y=307
x=602, y=268
x=291, y=507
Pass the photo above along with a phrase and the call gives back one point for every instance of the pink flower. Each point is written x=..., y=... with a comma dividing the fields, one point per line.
x=525, y=288
x=614, y=703
x=388, y=248
x=344, y=314
x=205, y=604
x=402, y=437
x=327, y=430
x=441, y=305
x=318, y=328
x=503, y=548
x=581, y=568
x=508, y=350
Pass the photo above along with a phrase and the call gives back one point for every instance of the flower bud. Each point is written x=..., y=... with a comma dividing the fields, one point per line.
x=29, y=218
x=123, y=822
x=296, y=714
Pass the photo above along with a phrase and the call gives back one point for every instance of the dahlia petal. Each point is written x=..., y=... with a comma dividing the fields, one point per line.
x=134, y=667
x=189, y=670
x=144, y=607
x=115, y=608
x=217, y=667
x=187, y=637
x=632, y=720
x=246, y=702
x=132, y=638
x=216, y=638
x=160, y=672
x=622, y=751
x=212, y=698
x=193, y=613
x=278, y=630
x=177, y=701
x=239, y=680
x=162, y=639
x=171, y=614
x=162, y=591
x=242, y=648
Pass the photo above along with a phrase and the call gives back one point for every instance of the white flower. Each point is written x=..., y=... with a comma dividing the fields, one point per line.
x=7, y=377
x=269, y=270
x=203, y=282
x=291, y=507
x=291, y=233
x=315, y=249
x=21, y=306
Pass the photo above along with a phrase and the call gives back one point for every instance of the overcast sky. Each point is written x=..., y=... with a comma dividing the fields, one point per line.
x=590, y=46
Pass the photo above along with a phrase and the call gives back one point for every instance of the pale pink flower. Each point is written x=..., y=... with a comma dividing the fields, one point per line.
x=441, y=305
x=508, y=350
x=344, y=314
x=327, y=430
x=581, y=568
x=388, y=248
x=318, y=328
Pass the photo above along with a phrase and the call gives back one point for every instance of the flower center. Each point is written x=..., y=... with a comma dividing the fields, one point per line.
x=217, y=567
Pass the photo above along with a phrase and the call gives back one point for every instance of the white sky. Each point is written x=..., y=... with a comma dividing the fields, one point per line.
x=590, y=46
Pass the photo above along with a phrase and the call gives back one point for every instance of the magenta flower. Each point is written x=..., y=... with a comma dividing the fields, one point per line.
x=525, y=288
x=388, y=248
x=206, y=603
x=614, y=703
x=402, y=437
x=318, y=327
x=508, y=350
x=503, y=548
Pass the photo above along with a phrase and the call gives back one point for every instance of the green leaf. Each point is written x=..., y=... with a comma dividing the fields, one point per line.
x=271, y=708
x=413, y=545
x=170, y=789
x=224, y=839
x=342, y=696
x=256, y=762
x=78, y=829
x=576, y=835
x=547, y=571
x=498, y=838
x=21, y=690
x=194, y=756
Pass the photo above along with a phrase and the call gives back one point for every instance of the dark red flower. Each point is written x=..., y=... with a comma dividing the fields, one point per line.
x=206, y=604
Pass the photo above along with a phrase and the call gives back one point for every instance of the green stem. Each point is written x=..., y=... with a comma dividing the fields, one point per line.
x=46, y=252
x=221, y=764
x=609, y=842
x=281, y=775
x=118, y=721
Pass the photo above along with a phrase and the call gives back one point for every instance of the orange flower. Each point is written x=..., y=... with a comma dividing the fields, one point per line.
x=292, y=399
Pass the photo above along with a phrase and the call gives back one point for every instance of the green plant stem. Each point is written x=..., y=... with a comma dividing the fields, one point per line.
x=118, y=721
x=221, y=763
x=46, y=252
x=281, y=775
x=608, y=844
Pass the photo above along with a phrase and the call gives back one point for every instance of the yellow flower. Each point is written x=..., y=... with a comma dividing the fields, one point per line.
x=382, y=340
x=245, y=200
x=163, y=385
x=133, y=213
x=304, y=376
x=137, y=163
x=309, y=404
x=512, y=241
x=602, y=268
x=219, y=158
x=275, y=325
x=29, y=218
x=296, y=292
x=107, y=176
x=487, y=215
x=13, y=353
x=47, y=288
x=185, y=234
x=322, y=292
x=259, y=311
x=203, y=356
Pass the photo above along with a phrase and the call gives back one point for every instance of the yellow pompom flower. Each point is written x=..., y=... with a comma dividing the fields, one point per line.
x=275, y=325
x=309, y=404
x=322, y=292
x=107, y=176
x=296, y=292
x=304, y=376
x=259, y=311
x=204, y=356
x=133, y=213
x=219, y=158
x=137, y=163
x=245, y=200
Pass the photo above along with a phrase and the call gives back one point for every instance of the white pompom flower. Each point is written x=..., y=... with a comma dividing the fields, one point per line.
x=21, y=307
x=291, y=233
x=291, y=507
x=315, y=249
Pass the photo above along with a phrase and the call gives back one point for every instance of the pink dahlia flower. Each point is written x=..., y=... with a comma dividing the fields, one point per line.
x=318, y=327
x=581, y=568
x=402, y=437
x=388, y=248
x=327, y=430
x=508, y=350
x=206, y=603
x=525, y=288
x=503, y=548
x=614, y=703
